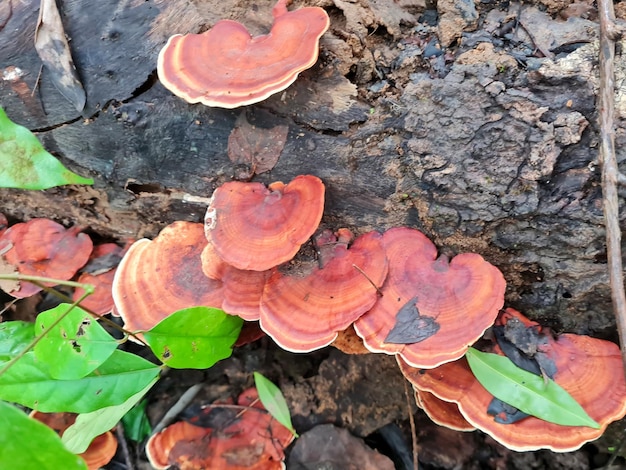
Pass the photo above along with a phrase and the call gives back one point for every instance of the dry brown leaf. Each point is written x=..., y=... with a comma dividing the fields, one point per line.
x=257, y=149
x=54, y=51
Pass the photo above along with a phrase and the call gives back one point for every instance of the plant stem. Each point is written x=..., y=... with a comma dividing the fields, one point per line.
x=608, y=163
x=38, y=338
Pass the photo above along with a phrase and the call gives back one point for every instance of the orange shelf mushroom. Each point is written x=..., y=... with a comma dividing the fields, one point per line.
x=251, y=439
x=255, y=228
x=432, y=308
x=159, y=277
x=103, y=260
x=589, y=369
x=100, y=451
x=227, y=67
x=304, y=313
x=242, y=288
x=41, y=247
x=442, y=412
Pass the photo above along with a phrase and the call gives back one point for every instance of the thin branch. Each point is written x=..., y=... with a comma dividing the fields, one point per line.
x=412, y=424
x=121, y=439
x=182, y=403
x=88, y=288
x=609, y=31
x=7, y=365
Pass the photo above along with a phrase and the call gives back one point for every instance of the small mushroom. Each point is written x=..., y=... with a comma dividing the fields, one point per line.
x=100, y=451
x=444, y=413
x=236, y=437
x=589, y=369
x=304, y=313
x=159, y=277
x=252, y=227
x=432, y=308
x=226, y=67
x=41, y=247
x=99, y=272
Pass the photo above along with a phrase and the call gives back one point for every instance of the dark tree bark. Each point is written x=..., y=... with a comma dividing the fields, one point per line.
x=480, y=153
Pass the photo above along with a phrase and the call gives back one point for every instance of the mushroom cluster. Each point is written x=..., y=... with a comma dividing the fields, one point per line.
x=589, y=369
x=226, y=436
x=399, y=294
x=44, y=248
x=227, y=67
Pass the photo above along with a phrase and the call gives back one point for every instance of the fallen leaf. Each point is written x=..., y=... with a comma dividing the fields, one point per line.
x=255, y=148
x=411, y=327
x=54, y=51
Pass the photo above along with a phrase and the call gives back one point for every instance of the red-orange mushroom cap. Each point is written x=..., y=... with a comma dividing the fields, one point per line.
x=226, y=67
x=41, y=247
x=256, y=228
x=102, y=265
x=444, y=413
x=450, y=303
x=305, y=313
x=242, y=288
x=159, y=277
x=589, y=369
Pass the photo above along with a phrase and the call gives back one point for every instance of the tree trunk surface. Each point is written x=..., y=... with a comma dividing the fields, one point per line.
x=483, y=137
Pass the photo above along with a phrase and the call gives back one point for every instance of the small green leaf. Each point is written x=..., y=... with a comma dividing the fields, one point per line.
x=25, y=164
x=527, y=392
x=136, y=423
x=28, y=444
x=273, y=401
x=15, y=336
x=90, y=425
x=29, y=383
x=194, y=338
x=75, y=346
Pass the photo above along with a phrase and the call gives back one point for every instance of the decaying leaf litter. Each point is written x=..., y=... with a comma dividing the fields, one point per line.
x=494, y=87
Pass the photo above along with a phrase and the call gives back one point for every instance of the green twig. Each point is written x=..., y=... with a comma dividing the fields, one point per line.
x=88, y=288
x=38, y=338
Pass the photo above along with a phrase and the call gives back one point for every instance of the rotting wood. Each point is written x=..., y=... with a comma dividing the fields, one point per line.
x=608, y=163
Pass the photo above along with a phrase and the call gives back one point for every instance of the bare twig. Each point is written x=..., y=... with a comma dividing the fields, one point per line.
x=182, y=403
x=608, y=163
x=412, y=424
x=121, y=439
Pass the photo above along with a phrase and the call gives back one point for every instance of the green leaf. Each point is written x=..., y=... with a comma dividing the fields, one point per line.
x=136, y=423
x=15, y=336
x=29, y=383
x=75, y=346
x=194, y=338
x=25, y=164
x=28, y=444
x=90, y=425
x=273, y=401
x=526, y=391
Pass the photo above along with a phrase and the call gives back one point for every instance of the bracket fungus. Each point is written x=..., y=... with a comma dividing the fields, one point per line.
x=99, y=272
x=588, y=368
x=432, y=309
x=42, y=247
x=242, y=288
x=227, y=67
x=442, y=412
x=236, y=437
x=159, y=277
x=256, y=228
x=304, y=313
